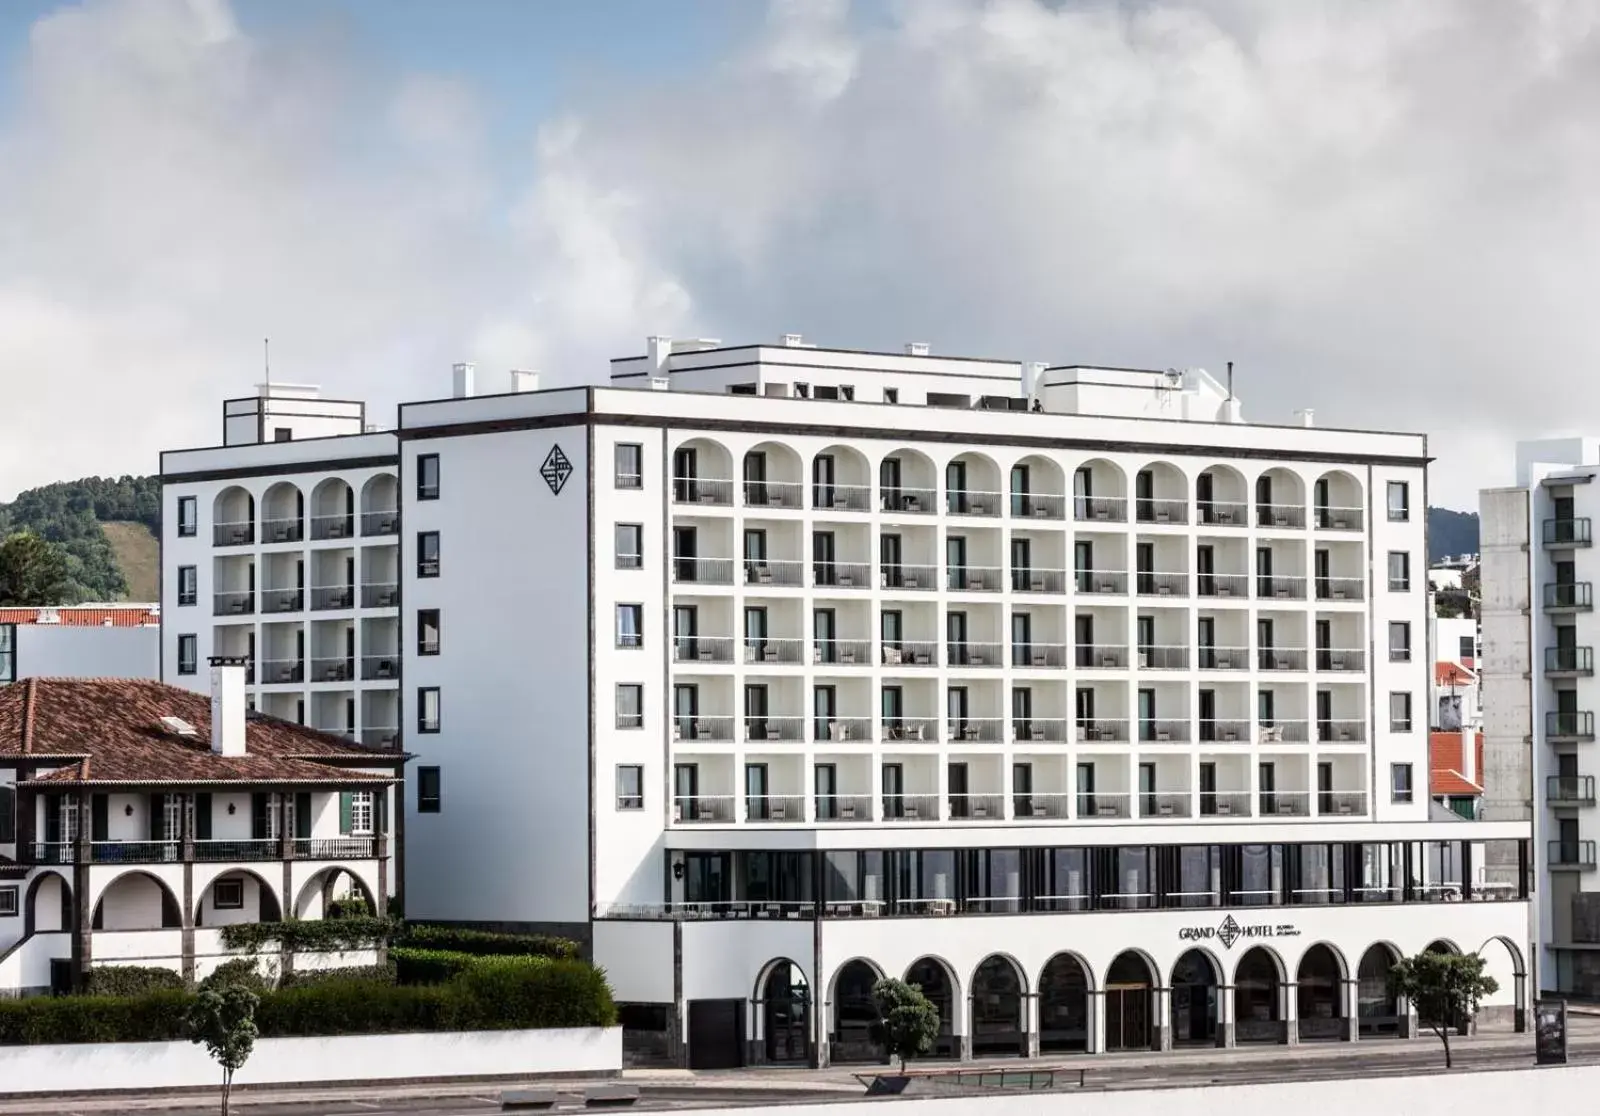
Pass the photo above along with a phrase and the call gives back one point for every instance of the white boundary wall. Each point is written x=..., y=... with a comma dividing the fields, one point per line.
x=1459, y=1093
x=88, y=1067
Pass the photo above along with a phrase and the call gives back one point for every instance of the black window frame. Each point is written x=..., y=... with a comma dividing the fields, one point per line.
x=632, y=481
x=1410, y=717
x=1409, y=794
x=1401, y=584
x=192, y=641
x=1403, y=513
x=637, y=556
x=1401, y=654
x=8, y=652
x=635, y=800
x=217, y=890
x=427, y=567
x=430, y=798
x=191, y=595
x=638, y=628
x=423, y=617
x=425, y=491
x=425, y=727
x=13, y=893
x=638, y=718
x=188, y=526
x=8, y=814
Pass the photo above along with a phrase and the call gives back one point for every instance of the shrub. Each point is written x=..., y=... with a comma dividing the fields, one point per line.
x=130, y=980
x=486, y=943
x=429, y=966
x=356, y=974
x=352, y=907
x=152, y=1017
x=242, y=971
x=329, y=935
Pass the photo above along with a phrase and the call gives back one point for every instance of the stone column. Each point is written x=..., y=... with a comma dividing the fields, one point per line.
x=1161, y=1023
x=1352, y=1010
x=1290, y=991
x=1520, y=1001
x=1225, y=1013
x=677, y=1045
x=186, y=847
x=1408, y=1019
x=1095, y=1002
x=1030, y=1023
x=83, y=919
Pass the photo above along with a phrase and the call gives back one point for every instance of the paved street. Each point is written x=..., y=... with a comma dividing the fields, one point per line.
x=680, y=1091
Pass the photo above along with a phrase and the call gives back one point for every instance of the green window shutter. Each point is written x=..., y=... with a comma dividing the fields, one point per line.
x=302, y=815
x=202, y=816
x=158, y=806
x=8, y=815
x=344, y=814
x=259, y=804
x=99, y=818
x=52, y=819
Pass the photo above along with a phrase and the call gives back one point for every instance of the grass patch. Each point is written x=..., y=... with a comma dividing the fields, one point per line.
x=138, y=557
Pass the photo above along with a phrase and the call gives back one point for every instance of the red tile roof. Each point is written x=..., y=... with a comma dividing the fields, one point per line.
x=1446, y=764
x=1453, y=674
x=109, y=730
x=88, y=616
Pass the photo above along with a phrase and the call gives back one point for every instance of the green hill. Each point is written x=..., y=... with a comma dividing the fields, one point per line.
x=1451, y=533
x=102, y=565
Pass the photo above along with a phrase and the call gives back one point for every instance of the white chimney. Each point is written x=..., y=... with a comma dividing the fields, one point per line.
x=227, y=707
x=523, y=380
x=658, y=351
x=916, y=348
x=793, y=341
x=1307, y=417
x=1469, y=752
x=462, y=377
x=1032, y=374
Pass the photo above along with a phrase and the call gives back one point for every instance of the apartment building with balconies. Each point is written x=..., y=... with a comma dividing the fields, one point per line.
x=768, y=670
x=1539, y=693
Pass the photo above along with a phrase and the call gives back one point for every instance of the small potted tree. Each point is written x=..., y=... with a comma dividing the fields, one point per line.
x=224, y=1021
x=1445, y=989
x=907, y=1024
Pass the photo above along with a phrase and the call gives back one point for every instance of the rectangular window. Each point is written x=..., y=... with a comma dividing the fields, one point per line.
x=188, y=654
x=1399, y=641
x=1399, y=571
x=630, y=705
x=630, y=546
x=1400, y=781
x=361, y=814
x=630, y=625
x=8, y=652
x=427, y=709
x=188, y=517
x=428, y=476
x=8, y=815
x=430, y=790
x=1399, y=502
x=1400, y=712
x=630, y=786
x=8, y=902
x=1468, y=647
x=228, y=895
x=427, y=554
x=891, y=395
x=188, y=585
x=630, y=465
x=427, y=631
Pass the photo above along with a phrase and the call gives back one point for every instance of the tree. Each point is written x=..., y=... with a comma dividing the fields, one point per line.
x=907, y=1020
x=224, y=1020
x=1444, y=989
x=33, y=572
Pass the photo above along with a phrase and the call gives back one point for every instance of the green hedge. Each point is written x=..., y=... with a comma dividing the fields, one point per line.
x=130, y=980
x=329, y=935
x=244, y=971
x=486, y=943
x=365, y=974
x=152, y=1017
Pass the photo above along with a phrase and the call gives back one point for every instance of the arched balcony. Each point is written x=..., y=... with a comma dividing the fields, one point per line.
x=233, y=517
x=283, y=509
x=333, y=510
x=1038, y=489
x=1337, y=501
x=770, y=477
x=702, y=473
x=1221, y=498
x=907, y=483
x=380, y=505
x=972, y=485
x=1160, y=494
x=841, y=480
x=1099, y=492
x=1280, y=499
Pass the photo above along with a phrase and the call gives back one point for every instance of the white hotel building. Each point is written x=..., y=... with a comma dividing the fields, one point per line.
x=769, y=670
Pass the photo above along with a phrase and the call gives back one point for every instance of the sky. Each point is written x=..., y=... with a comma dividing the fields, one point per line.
x=1383, y=211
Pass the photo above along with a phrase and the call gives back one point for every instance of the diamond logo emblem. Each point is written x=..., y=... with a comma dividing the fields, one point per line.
x=1228, y=932
x=555, y=470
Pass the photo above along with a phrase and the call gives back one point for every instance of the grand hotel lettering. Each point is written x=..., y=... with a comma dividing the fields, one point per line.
x=1230, y=931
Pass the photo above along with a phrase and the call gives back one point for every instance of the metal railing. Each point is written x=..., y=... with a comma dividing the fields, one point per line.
x=775, y=651
x=904, y=500
x=1281, y=658
x=1222, y=513
x=233, y=603
x=911, y=729
x=1102, y=656
x=1106, y=509
x=277, y=672
x=1222, y=585
x=1337, y=803
x=702, y=571
x=1339, y=519
x=974, y=579
x=1105, y=582
x=1280, y=515
x=326, y=597
x=214, y=851
x=841, y=497
x=380, y=667
x=1573, y=790
x=1222, y=658
x=233, y=534
x=1050, y=729
x=910, y=807
x=1038, y=654
x=339, y=526
x=1164, y=804
x=1570, y=854
x=843, y=807
x=899, y=576
x=1340, y=588
x=1163, y=732
x=788, y=495
x=841, y=728
x=908, y=653
x=381, y=521
x=1048, y=805
x=968, y=501
x=1573, y=596
x=976, y=807
x=716, y=809
x=1281, y=731
x=703, y=649
x=974, y=654
x=1148, y=584
x=338, y=668
x=715, y=492
x=1034, y=505
x=975, y=730
x=697, y=727
x=1104, y=805
x=1101, y=729
x=287, y=529
x=282, y=600
x=1569, y=660
x=1224, y=804
x=334, y=848
x=1562, y=727
x=842, y=652
x=782, y=573
x=380, y=595
x=1223, y=731
x=382, y=737
x=1284, y=804
x=1341, y=731
x=1568, y=532
x=1159, y=657
x=1160, y=511
x=1276, y=587
x=136, y=852
x=1340, y=658
x=1030, y=580
x=785, y=729
x=785, y=808
x=841, y=575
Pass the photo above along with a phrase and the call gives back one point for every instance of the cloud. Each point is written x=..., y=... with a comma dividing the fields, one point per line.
x=1382, y=211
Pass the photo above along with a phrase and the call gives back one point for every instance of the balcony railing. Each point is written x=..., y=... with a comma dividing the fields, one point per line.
x=220, y=851
x=789, y=495
x=282, y=600
x=787, y=808
x=326, y=597
x=895, y=576
x=1161, y=511
x=1038, y=655
x=696, y=727
x=1157, y=657
x=910, y=807
x=782, y=573
x=1053, y=729
x=1574, y=727
x=1164, y=804
x=1274, y=587
x=703, y=649
x=233, y=604
x=1283, y=804
x=763, y=727
x=1033, y=505
x=1339, y=519
x=974, y=579
x=841, y=497
x=1281, y=658
x=908, y=729
x=844, y=807
x=342, y=526
x=842, y=652
x=108, y=852
x=906, y=653
x=713, y=809
x=384, y=521
x=1222, y=658
x=976, y=807
x=1569, y=596
x=1569, y=661
x=1571, y=855
x=382, y=737
x=1038, y=581
x=1280, y=515
x=288, y=529
x=916, y=501
x=978, y=730
x=278, y=672
x=841, y=728
x=233, y=534
x=1106, y=509
x=380, y=667
x=1340, y=588
x=773, y=651
x=1221, y=513
x=1341, y=731
x=1279, y=731
x=1225, y=804
x=1223, y=586
x=1047, y=806
x=380, y=595
x=334, y=848
x=1113, y=729
x=1101, y=656
x=841, y=575
x=1104, y=804
x=700, y=490
x=958, y=501
x=1163, y=732
x=1569, y=790
x=1147, y=584
x=974, y=654
x=1568, y=532
x=336, y=669
x=1106, y=582
x=702, y=571
x=1341, y=659
x=1338, y=803
x=1223, y=732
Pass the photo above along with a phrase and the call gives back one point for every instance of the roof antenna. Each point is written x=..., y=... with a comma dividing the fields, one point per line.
x=1230, y=379
x=266, y=357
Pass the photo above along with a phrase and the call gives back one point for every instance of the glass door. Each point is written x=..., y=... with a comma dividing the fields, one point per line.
x=822, y=480
x=1083, y=638
x=889, y=561
x=685, y=710
x=1266, y=645
x=1264, y=572
x=755, y=556
x=755, y=634
x=1205, y=569
x=956, y=778
x=1324, y=714
x=1019, y=491
x=755, y=478
x=1204, y=495
x=1208, y=788
x=755, y=712
x=1144, y=557
x=1022, y=790
x=1086, y=804
x=823, y=558
x=685, y=552
x=1264, y=501
x=955, y=561
x=1144, y=496
x=825, y=712
x=1206, y=642
x=1021, y=565
x=757, y=799
x=955, y=487
x=889, y=488
x=686, y=791
x=1325, y=787
x=894, y=791
x=1083, y=565
x=1206, y=707
x=956, y=637
x=1147, y=715
x=892, y=709
x=824, y=634
x=1021, y=639
x=955, y=707
x=825, y=785
x=1147, y=790
x=1022, y=712
x=1267, y=784
x=686, y=632
x=685, y=471
x=1082, y=492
